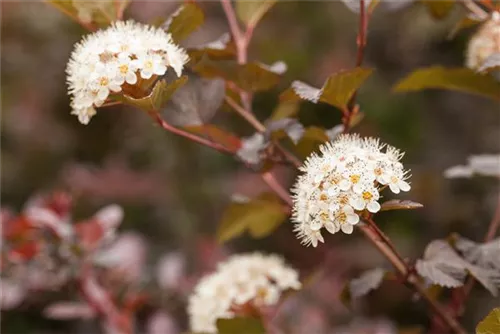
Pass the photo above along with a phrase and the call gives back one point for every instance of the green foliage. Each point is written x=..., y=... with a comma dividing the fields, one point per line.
x=340, y=87
x=251, y=12
x=222, y=48
x=260, y=216
x=490, y=324
x=160, y=94
x=186, y=19
x=249, y=77
x=459, y=79
x=101, y=13
x=312, y=138
x=285, y=109
x=336, y=91
x=240, y=326
x=398, y=204
x=439, y=9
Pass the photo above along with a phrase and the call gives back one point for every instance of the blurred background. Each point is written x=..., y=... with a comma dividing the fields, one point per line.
x=174, y=192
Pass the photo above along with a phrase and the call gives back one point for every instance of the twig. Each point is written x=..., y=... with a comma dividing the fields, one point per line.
x=271, y=181
x=386, y=239
x=248, y=116
x=475, y=9
x=411, y=278
x=205, y=142
x=252, y=120
x=360, y=53
x=460, y=295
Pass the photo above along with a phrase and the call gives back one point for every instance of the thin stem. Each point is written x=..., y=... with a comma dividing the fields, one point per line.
x=461, y=294
x=271, y=181
x=475, y=9
x=360, y=53
x=386, y=239
x=232, y=20
x=412, y=279
x=250, y=118
x=205, y=142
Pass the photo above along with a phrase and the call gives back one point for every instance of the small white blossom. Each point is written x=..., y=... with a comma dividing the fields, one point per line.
x=122, y=54
x=345, y=180
x=244, y=281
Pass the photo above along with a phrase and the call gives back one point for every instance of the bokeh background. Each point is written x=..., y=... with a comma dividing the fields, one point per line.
x=174, y=192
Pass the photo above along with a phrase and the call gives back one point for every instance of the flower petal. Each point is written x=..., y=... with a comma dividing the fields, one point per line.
x=373, y=207
x=347, y=228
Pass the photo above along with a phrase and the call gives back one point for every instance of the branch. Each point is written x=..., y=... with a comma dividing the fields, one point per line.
x=475, y=9
x=411, y=278
x=250, y=118
x=205, y=142
x=271, y=181
x=460, y=295
x=360, y=54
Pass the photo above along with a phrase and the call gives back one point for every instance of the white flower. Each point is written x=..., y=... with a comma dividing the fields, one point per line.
x=367, y=198
x=150, y=64
x=244, y=281
x=345, y=180
x=107, y=59
x=126, y=69
x=397, y=183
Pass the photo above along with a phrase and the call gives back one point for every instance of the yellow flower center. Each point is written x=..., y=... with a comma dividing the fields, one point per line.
x=394, y=179
x=343, y=199
x=335, y=180
x=323, y=197
x=367, y=195
x=342, y=217
x=355, y=178
x=123, y=68
x=104, y=81
x=148, y=64
x=378, y=171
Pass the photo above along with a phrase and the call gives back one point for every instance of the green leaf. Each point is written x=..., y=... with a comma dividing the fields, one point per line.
x=490, y=324
x=340, y=87
x=260, y=216
x=249, y=77
x=312, y=138
x=102, y=12
x=251, y=12
x=186, y=19
x=336, y=91
x=398, y=204
x=439, y=9
x=240, y=326
x=284, y=110
x=211, y=132
x=459, y=79
x=160, y=94
x=222, y=48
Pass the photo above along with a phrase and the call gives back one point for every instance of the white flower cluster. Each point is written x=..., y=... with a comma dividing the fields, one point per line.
x=244, y=282
x=342, y=182
x=108, y=60
x=485, y=43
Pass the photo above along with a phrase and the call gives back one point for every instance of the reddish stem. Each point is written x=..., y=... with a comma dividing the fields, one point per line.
x=459, y=296
x=216, y=146
x=349, y=112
